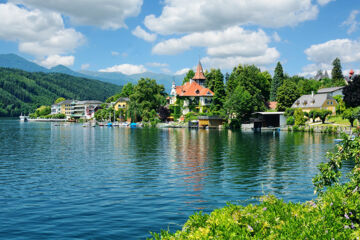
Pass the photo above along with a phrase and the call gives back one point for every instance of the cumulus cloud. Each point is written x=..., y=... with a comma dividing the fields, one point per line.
x=312, y=69
x=182, y=71
x=269, y=57
x=38, y=33
x=54, y=60
x=347, y=50
x=227, y=48
x=127, y=69
x=352, y=22
x=187, y=16
x=141, y=33
x=324, y=2
x=109, y=14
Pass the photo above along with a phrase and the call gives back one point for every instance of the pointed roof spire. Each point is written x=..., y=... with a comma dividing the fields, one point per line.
x=199, y=75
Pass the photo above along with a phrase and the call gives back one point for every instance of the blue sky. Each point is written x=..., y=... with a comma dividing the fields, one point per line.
x=169, y=36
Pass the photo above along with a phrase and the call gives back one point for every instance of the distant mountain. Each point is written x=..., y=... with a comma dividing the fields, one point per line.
x=14, y=61
x=122, y=79
x=23, y=92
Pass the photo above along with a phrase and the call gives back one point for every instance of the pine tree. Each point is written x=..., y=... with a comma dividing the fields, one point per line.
x=336, y=72
x=277, y=81
x=219, y=90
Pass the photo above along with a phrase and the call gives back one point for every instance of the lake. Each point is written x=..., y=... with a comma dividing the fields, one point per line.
x=71, y=182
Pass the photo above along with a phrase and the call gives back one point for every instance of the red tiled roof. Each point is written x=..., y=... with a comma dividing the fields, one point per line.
x=272, y=105
x=193, y=89
x=199, y=75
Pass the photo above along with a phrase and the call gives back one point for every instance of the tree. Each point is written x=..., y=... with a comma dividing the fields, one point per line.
x=277, y=81
x=190, y=74
x=164, y=113
x=299, y=117
x=252, y=80
x=323, y=114
x=287, y=95
x=336, y=72
x=240, y=105
x=352, y=92
x=127, y=90
x=351, y=114
x=147, y=96
x=340, y=108
x=60, y=99
x=217, y=86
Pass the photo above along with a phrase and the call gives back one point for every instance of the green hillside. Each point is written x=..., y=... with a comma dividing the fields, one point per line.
x=23, y=92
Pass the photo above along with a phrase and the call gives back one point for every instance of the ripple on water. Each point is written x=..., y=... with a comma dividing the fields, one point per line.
x=75, y=182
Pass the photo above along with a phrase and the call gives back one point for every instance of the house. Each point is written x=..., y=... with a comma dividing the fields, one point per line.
x=121, y=103
x=76, y=109
x=333, y=91
x=317, y=101
x=193, y=96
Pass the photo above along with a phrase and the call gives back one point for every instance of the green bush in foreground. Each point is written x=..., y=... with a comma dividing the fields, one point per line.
x=335, y=214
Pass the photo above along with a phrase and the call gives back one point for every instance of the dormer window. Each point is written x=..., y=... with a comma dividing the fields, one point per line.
x=197, y=91
x=298, y=103
x=313, y=101
x=305, y=103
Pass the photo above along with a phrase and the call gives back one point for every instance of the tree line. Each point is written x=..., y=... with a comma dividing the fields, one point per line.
x=24, y=92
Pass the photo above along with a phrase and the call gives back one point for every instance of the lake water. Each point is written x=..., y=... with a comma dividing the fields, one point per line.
x=71, y=182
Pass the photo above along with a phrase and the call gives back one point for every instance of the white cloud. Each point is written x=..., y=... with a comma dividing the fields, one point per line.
x=109, y=14
x=38, y=33
x=187, y=16
x=269, y=57
x=276, y=37
x=166, y=70
x=85, y=66
x=227, y=48
x=141, y=33
x=351, y=22
x=156, y=64
x=324, y=2
x=127, y=69
x=182, y=71
x=312, y=69
x=54, y=60
x=347, y=50
x=114, y=53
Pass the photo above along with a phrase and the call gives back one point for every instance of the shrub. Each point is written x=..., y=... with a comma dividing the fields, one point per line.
x=299, y=117
x=290, y=121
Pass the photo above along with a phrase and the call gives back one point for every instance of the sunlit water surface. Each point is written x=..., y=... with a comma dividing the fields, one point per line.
x=118, y=183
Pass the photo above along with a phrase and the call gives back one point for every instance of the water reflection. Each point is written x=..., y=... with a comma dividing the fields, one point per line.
x=123, y=183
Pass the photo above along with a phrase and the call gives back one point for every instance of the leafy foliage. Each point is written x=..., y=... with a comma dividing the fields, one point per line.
x=241, y=104
x=190, y=74
x=299, y=117
x=23, y=92
x=323, y=114
x=351, y=114
x=147, y=98
x=287, y=95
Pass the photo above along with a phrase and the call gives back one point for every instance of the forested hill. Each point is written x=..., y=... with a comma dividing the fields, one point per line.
x=23, y=92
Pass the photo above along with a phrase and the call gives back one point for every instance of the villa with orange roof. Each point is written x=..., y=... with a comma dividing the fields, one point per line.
x=193, y=96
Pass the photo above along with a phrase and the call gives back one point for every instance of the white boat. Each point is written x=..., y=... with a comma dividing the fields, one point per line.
x=23, y=118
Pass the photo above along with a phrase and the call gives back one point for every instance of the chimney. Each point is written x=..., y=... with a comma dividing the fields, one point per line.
x=312, y=94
